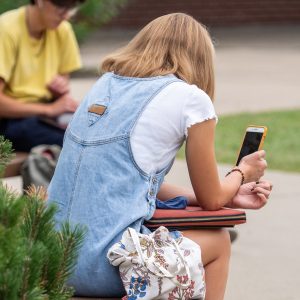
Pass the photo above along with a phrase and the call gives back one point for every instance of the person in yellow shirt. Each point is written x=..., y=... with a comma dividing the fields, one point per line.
x=38, y=51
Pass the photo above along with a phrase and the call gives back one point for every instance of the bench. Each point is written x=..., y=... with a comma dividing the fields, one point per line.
x=14, y=166
x=79, y=298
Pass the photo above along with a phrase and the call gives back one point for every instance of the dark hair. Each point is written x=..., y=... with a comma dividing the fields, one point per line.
x=63, y=3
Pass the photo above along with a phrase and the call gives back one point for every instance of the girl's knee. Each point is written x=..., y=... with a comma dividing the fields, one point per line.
x=224, y=240
x=220, y=239
x=220, y=247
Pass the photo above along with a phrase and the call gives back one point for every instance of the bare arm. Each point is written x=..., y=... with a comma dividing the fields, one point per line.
x=10, y=108
x=210, y=192
x=252, y=195
x=168, y=191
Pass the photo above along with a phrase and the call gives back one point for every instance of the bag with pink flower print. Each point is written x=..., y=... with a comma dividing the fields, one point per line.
x=157, y=266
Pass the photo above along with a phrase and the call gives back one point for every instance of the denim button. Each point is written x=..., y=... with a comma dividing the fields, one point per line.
x=154, y=180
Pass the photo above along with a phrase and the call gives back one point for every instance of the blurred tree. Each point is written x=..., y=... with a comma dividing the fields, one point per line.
x=92, y=14
x=6, y=5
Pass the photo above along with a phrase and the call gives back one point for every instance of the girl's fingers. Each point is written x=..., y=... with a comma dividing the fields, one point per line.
x=263, y=199
x=265, y=185
x=263, y=191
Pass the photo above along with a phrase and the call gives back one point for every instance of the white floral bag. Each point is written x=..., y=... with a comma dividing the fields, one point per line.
x=156, y=266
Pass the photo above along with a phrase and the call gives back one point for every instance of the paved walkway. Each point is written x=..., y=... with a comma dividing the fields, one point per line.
x=256, y=69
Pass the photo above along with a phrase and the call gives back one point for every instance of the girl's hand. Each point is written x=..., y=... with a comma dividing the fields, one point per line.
x=252, y=195
x=253, y=166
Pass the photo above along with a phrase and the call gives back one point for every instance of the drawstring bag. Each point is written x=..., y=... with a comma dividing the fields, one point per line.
x=156, y=266
x=39, y=167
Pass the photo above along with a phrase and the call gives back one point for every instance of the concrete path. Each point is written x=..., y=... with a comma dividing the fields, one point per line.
x=257, y=69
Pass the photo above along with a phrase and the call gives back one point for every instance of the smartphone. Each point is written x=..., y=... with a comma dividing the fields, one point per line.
x=253, y=140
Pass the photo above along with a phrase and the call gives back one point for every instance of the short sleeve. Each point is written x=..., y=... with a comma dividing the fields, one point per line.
x=70, y=60
x=198, y=108
x=7, y=54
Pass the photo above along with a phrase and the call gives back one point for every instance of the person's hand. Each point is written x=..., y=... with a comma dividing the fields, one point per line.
x=253, y=166
x=63, y=104
x=252, y=195
x=59, y=86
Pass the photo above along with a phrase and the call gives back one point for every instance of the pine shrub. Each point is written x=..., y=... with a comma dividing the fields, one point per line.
x=36, y=258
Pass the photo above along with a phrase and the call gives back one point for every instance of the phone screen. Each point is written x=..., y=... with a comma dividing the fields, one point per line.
x=251, y=144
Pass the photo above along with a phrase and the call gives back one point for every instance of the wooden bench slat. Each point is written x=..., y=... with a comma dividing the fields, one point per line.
x=14, y=167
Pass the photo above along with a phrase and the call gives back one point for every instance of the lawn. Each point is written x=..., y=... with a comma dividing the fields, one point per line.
x=282, y=142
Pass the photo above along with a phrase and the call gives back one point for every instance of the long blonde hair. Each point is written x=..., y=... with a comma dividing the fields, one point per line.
x=171, y=44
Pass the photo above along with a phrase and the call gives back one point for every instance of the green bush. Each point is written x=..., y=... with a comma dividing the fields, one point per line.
x=6, y=5
x=36, y=259
x=5, y=153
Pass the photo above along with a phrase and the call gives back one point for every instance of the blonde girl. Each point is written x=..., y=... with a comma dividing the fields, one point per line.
x=155, y=93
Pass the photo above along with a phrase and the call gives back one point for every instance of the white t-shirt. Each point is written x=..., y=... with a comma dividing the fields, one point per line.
x=171, y=112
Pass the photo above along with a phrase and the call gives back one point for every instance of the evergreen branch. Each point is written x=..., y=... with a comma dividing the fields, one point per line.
x=11, y=207
x=39, y=192
x=12, y=251
x=12, y=243
x=52, y=262
x=24, y=288
x=35, y=258
x=5, y=153
x=38, y=226
x=38, y=218
x=36, y=294
x=70, y=240
x=38, y=253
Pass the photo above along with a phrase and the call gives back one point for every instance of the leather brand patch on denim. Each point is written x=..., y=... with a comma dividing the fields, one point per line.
x=97, y=109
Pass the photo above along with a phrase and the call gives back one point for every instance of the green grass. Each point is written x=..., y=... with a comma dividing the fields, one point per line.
x=282, y=143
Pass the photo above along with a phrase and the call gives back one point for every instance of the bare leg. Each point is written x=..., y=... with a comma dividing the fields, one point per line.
x=215, y=247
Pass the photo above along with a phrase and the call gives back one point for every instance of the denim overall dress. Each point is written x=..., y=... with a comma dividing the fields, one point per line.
x=97, y=182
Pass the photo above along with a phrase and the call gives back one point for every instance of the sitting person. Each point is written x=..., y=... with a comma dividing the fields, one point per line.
x=155, y=93
x=38, y=51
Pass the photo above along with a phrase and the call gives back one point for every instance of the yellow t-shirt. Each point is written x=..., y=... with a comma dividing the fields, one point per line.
x=27, y=64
